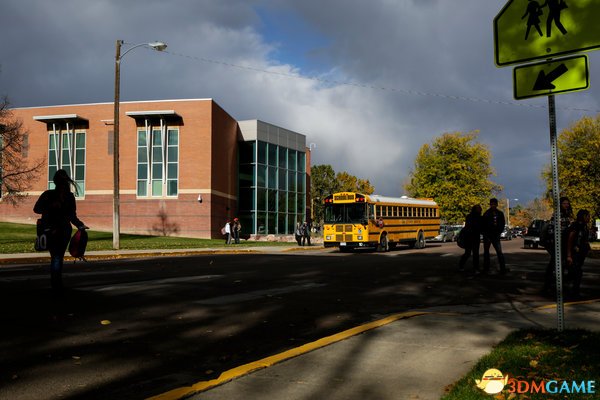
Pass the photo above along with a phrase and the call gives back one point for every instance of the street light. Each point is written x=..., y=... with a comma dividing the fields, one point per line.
x=508, y=211
x=158, y=46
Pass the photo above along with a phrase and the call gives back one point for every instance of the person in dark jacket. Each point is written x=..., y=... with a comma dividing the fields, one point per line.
x=578, y=247
x=493, y=225
x=58, y=210
x=472, y=230
x=547, y=236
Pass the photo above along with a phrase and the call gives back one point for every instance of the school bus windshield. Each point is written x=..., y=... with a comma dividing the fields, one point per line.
x=345, y=213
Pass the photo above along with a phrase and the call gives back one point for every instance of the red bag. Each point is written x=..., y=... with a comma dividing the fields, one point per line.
x=78, y=244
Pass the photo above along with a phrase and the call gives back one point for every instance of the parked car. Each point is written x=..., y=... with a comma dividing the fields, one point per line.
x=506, y=234
x=447, y=233
x=532, y=237
x=518, y=231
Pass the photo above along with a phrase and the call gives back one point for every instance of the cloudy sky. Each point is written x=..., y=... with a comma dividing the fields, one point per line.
x=368, y=82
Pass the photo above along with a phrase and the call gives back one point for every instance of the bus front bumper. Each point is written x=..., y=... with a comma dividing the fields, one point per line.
x=349, y=245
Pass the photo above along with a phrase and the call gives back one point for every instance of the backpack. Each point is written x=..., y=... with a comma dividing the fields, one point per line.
x=547, y=235
x=78, y=244
x=461, y=239
x=42, y=236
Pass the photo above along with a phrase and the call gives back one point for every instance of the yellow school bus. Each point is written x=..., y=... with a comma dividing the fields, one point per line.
x=354, y=220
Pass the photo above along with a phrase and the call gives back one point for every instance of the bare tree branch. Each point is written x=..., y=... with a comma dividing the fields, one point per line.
x=17, y=173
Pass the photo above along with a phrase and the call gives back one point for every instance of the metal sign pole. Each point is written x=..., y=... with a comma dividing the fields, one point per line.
x=560, y=309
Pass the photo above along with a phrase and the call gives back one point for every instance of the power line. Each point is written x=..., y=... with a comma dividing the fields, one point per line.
x=373, y=87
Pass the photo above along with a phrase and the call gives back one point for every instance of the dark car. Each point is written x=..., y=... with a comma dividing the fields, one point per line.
x=532, y=237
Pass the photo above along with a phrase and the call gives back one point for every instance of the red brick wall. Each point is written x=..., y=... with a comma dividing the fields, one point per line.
x=207, y=162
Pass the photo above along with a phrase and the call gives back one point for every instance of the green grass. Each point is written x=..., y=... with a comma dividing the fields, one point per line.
x=537, y=355
x=19, y=238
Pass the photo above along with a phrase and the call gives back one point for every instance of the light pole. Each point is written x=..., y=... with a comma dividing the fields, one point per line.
x=159, y=46
x=508, y=211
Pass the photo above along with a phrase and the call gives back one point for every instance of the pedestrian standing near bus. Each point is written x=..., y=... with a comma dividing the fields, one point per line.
x=59, y=211
x=305, y=234
x=298, y=234
x=227, y=230
x=472, y=240
x=493, y=225
x=237, y=228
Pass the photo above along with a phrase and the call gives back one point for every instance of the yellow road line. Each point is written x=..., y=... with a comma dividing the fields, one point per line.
x=571, y=303
x=277, y=358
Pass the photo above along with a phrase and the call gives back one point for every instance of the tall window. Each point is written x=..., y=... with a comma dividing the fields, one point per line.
x=66, y=150
x=272, y=187
x=157, y=161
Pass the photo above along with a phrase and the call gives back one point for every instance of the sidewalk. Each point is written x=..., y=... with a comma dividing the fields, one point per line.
x=44, y=256
x=416, y=357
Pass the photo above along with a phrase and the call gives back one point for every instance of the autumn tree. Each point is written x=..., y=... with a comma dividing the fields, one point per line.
x=455, y=171
x=350, y=183
x=325, y=181
x=16, y=172
x=535, y=209
x=578, y=165
x=322, y=184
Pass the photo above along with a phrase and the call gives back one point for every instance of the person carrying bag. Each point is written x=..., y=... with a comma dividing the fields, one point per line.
x=59, y=211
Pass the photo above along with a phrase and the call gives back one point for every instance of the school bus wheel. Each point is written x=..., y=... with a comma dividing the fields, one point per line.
x=384, y=244
x=420, y=241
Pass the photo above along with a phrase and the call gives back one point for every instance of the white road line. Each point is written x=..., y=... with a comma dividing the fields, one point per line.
x=73, y=274
x=258, y=294
x=152, y=284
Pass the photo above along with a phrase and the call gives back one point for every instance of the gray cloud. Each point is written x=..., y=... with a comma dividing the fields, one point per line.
x=419, y=59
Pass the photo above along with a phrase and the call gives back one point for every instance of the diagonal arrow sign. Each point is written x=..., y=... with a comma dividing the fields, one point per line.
x=551, y=77
x=544, y=82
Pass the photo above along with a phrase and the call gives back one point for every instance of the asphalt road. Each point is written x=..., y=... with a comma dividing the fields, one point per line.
x=136, y=328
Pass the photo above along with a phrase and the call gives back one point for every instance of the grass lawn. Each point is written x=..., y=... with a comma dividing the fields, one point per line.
x=19, y=238
x=536, y=355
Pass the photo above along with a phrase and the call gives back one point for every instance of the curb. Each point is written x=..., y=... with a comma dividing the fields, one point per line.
x=25, y=259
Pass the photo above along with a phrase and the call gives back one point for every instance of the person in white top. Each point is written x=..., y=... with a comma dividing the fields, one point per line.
x=227, y=232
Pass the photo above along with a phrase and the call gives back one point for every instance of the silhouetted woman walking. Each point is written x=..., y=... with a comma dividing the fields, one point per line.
x=58, y=210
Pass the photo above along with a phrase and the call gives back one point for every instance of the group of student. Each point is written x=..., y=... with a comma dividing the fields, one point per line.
x=302, y=233
x=575, y=246
x=232, y=231
x=490, y=225
x=574, y=249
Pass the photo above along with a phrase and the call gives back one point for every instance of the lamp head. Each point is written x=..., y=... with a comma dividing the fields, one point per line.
x=158, y=46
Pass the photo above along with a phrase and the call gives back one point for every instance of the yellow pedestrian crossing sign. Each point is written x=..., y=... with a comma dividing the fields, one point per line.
x=552, y=77
x=527, y=30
